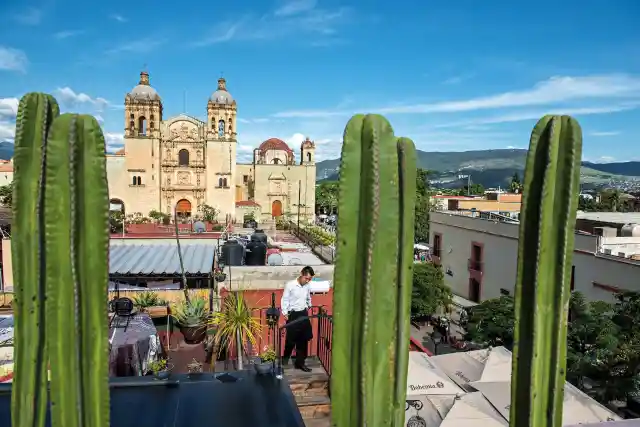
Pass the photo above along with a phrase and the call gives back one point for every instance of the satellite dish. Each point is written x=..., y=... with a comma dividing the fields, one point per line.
x=199, y=227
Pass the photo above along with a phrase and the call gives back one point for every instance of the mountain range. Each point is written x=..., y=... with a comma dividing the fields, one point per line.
x=491, y=168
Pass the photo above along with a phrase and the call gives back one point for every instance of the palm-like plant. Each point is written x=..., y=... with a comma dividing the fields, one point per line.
x=235, y=325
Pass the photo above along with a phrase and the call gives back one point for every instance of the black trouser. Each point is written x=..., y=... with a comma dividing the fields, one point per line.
x=298, y=337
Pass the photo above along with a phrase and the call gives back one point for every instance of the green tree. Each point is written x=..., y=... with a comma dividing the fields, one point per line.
x=429, y=290
x=473, y=190
x=492, y=322
x=423, y=206
x=327, y=196
x=515, y=186
x=6, y=195
x=591, y=337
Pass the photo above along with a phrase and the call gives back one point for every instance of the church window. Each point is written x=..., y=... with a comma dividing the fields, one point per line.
x=221, y=128
x=139, y=181
x=276, y=161
x=224, y=182
x=245, y=178
x=136, y=180
x=142, y=126
x=308, y=157
x=151, y=118
x=132, y=125
x=131, y=117
x=183, y=157
x=220, y=182
x=151, y=125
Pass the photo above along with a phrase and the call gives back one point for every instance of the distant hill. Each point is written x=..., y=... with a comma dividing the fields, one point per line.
x=619, y=168
x=491, y=168
x=6, y=150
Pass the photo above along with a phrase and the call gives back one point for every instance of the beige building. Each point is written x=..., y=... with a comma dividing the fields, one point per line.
x=182, y=163
x=479, y=258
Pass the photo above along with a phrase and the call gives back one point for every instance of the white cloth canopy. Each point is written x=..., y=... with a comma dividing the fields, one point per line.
x=472, y=409
x=427, y=411
x=425, y=378
x=462, y=368
x=578, y=408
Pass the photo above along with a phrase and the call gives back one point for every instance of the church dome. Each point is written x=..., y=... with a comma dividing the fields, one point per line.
x=274, y=144
x=144, y=91
x=221, y=96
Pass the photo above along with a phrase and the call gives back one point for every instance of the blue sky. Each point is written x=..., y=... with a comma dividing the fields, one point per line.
x=452, y=75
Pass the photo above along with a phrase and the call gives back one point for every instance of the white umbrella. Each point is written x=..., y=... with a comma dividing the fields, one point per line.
x=624, y=423
x=473, y=409
x=461, y=367
x=427, y=411
x=497, y=366
x=421, y=247
x=425, y=378
x=578, y=408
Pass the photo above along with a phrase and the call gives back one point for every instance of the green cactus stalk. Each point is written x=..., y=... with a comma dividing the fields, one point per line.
x=545, y=253
x=373, y=275
x=29, y=397
x=62, y=186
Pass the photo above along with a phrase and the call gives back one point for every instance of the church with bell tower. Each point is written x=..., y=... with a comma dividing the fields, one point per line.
x=178, y=164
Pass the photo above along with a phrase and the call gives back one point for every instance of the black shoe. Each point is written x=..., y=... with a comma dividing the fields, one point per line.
x=303, y=368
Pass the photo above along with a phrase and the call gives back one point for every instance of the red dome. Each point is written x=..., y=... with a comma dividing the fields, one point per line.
x=274, y=144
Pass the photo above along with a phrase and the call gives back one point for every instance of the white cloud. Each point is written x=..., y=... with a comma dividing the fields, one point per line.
x=294, y=7
x=608, y=133
x=69, y=98
x=144, y=45
x=555, y=90
x=114, y=141
x=8, y=108
x=61, y=35
x=537, y=114
x=454, y=80
x=30, y=16
x=118, y=18
x=299, y=17
x=13, y=59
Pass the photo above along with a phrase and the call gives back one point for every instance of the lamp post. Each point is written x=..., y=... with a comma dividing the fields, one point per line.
x=273, y=314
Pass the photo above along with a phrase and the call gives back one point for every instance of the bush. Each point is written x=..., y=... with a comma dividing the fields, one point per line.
x=318, y=235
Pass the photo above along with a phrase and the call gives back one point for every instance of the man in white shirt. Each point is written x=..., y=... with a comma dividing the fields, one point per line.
x=296, y=302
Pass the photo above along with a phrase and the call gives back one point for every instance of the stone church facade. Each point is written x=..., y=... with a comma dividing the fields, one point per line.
x=180, y=163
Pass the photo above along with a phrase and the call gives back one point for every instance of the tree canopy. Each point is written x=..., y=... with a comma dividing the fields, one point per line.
x=423, y=206
x=603, y=341
x=6, y=195
x=429, y=290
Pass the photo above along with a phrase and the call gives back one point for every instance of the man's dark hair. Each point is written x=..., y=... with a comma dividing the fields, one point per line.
x=307, y=271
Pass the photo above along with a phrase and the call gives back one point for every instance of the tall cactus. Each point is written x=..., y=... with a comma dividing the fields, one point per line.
x=373, y=275
x=545, y=252
x=61, y=233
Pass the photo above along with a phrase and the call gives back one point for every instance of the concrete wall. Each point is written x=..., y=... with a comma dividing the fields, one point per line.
x=270, y=277
x=596, y=275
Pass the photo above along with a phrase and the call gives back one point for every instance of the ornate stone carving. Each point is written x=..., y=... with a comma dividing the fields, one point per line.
x=184, y=178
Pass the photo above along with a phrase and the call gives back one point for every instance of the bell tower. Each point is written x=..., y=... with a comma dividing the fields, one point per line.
x=221, y=114
x=308, y=152
x=142, y=110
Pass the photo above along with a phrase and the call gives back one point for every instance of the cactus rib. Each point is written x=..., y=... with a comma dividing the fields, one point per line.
x=60, y=253
x=29, y=399
x=545, y=253
x=372, y=276
x=77, y=248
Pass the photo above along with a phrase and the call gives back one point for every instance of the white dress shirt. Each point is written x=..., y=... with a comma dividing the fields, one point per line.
x=295, y=297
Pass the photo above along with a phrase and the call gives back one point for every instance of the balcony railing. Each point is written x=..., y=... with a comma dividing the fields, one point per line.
x=475, y=265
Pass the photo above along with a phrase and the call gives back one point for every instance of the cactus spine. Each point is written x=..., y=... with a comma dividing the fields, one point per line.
x=373, y=275
x=545, y=253
x=61, y=185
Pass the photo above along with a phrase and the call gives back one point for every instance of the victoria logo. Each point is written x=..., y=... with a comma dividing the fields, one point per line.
x=419, y=387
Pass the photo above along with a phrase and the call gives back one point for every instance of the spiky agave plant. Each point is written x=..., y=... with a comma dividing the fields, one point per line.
x=373, y=275
x=545, y=253
x=60, y=251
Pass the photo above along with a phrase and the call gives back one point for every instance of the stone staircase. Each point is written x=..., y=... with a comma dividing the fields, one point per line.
x=311, y=391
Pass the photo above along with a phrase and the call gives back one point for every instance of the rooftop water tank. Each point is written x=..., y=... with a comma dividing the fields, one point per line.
x=630, y=230
x=259, y=236
x=199, y=227
x=232, y=253
x=256, y=253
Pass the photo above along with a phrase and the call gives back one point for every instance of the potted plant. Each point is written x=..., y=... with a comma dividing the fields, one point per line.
x=150, y=302
x=192, y=317
x=235, y=325
x=194, y=367
x=219, y=275
x=161, y=369
x=264, y=362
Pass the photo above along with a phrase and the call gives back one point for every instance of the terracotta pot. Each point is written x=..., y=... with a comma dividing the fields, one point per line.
x=193, y=334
